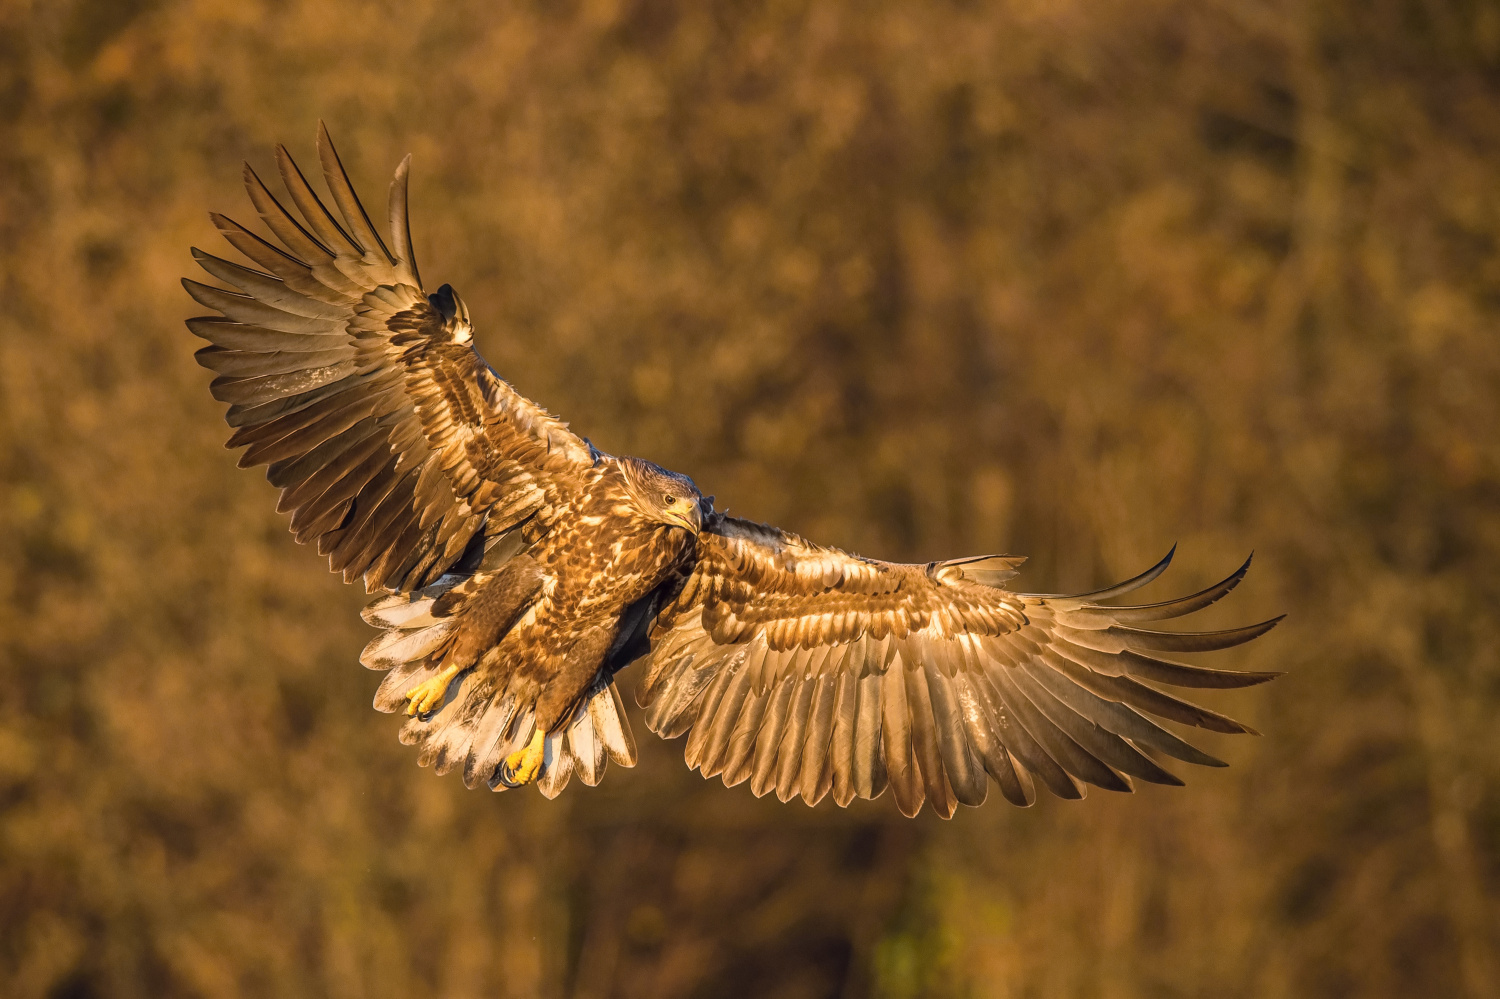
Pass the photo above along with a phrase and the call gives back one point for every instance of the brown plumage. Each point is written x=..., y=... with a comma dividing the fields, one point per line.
x=521, y=568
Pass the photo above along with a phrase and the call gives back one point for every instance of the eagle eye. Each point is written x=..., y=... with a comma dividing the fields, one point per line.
x=669, y=499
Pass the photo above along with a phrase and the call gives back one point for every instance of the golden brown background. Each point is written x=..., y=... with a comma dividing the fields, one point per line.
x=1074, y=280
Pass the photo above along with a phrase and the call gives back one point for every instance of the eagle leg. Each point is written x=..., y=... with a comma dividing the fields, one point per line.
x=524, y=765
x=429, y=693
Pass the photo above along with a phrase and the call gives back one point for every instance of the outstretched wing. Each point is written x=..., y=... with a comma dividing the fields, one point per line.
x=391, y=439
x=805, y=669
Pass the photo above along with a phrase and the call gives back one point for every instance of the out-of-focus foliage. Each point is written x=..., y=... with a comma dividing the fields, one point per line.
x=1074, y=280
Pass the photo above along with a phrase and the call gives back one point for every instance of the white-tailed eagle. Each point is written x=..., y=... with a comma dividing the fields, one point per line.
x=520, y=569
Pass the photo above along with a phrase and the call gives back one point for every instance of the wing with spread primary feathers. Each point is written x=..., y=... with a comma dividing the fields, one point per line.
x=807, y=670
x=392, y=441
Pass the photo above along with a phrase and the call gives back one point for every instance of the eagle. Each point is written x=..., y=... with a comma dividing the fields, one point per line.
x=518, y=569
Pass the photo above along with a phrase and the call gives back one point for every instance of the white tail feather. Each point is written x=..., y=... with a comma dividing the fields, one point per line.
x=608, y=714
x=484, y=752
x=587, y=750
x=451, y=739
x=400, y=611
x=557, y=765
x=397, y=647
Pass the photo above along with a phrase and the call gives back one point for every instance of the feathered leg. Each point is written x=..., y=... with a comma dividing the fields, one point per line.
x=558, y=702
x=485, y=607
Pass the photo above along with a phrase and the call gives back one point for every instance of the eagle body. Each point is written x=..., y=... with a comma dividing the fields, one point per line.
x=518, y=569
x=600, y=556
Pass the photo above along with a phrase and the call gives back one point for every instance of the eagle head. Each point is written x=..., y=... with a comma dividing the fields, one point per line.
x=665, y=497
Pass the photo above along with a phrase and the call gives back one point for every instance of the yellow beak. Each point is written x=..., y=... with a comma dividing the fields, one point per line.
x=691, y=518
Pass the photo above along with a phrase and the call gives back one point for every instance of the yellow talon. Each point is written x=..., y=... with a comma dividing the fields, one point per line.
x=429, y=693
x=522, y=766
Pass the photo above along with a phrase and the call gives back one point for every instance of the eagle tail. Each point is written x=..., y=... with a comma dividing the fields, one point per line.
x=476, y=726
x=594, y=734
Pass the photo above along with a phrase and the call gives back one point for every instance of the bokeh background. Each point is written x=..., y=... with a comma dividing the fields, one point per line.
x=1065, y=279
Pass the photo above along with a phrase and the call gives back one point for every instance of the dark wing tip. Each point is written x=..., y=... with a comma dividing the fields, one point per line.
x=1166, y=609
x=1134, y=583
x=445, y=302
x=1192, y=641
x=193, y=289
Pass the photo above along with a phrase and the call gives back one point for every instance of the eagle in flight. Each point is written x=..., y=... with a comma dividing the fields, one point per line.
x=519, y=569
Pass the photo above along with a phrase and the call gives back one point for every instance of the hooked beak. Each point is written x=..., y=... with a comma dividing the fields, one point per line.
x=692, y=518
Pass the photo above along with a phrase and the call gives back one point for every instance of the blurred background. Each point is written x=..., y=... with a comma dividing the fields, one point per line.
x=1071, y=280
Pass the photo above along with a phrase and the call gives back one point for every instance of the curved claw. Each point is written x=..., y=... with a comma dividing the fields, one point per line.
x=524, y=766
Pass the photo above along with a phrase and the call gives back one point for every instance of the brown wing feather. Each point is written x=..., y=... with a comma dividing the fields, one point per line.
x=809, y=670
x=390, y=438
